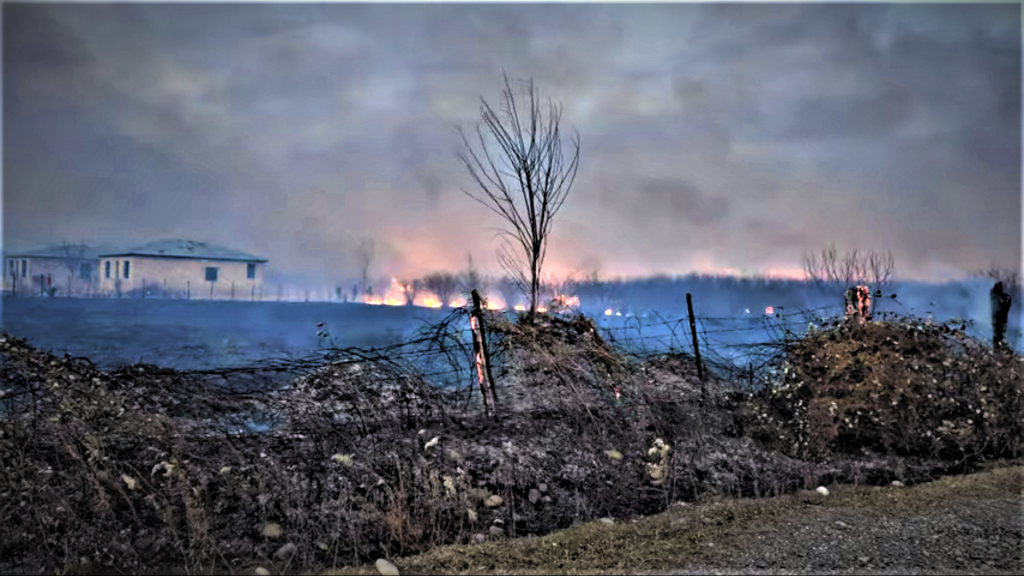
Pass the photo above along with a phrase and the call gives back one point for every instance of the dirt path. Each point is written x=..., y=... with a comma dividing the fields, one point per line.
x=977, y=536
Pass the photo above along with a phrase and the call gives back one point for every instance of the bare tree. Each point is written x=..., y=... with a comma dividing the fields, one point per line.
x=526, y=184
x=72, y=256
x=410, y=288
x=875, y=269
x=509, y=290
x=471, y=279
x=366, y=250
x=444, y=285
x=1008, y=276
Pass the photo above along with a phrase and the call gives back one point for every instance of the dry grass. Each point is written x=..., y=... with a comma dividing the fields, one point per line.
x=668, y=539
x=135, y=471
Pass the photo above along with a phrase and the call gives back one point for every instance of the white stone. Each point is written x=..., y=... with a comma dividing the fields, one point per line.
x=822, y=490
x=385, y=568
x=285, y=552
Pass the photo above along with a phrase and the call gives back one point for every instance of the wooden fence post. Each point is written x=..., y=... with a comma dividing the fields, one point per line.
x=232, y=290
x=858, y=304
x=482, y=360
x=696, y=347
x=1001, y=303
x=188, y=289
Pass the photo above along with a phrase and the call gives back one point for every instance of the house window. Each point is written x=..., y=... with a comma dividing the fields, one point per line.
x=211, y=274
x=250, y=271
x=106, y=269
x=85, y=270
x=12, y=265
x=24, y=268
x=126, y=269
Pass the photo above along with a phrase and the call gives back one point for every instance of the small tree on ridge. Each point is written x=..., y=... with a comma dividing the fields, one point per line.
x=525, y=181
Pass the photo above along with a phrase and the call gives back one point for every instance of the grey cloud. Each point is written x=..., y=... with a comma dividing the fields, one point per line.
x=843, y=121
x=683, y=199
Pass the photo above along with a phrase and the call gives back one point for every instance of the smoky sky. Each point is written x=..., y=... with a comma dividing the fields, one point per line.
x=717, y=136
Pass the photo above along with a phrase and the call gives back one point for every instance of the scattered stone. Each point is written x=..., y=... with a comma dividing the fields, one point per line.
x=545, y=499
x=479, y=538
x=385, y=568
x=606, y=521
x=272, y=530
x=261, y=571
x=863, y=559
x=494, y=501
x=285, y=552
x=842, y=524
x=496, y=531
x=897, y=483
x=822, y=490
x=614, y=454
x=542, y=487
x=517, y=517
x=534, y=496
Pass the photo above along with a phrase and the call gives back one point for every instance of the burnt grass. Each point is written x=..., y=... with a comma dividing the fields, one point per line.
x=150, y=470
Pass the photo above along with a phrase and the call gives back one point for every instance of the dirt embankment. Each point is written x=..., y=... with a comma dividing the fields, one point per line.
x=144, y=469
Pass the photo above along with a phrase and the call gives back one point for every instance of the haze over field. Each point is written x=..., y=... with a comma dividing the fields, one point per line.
x=714, y=137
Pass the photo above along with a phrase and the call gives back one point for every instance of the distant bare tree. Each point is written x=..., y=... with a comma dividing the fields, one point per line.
x=509, y=290
x=366, y=251
x=528, y=182
x=444, y=285
x=72, y=256
x=410, y=288
x=1008, y=276
x=471, y=279
x=553, y=287
x=874, y=269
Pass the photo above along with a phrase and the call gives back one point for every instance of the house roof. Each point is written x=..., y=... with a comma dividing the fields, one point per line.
x=181, y=248
x=76, y=251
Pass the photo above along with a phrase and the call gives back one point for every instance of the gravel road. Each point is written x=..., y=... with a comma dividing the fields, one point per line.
x=965, y=537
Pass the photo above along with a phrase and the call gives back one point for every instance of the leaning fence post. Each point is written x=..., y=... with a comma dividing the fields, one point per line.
x=696, y=347
x=483, y=363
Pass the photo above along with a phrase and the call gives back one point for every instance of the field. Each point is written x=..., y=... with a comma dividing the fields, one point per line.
x=196, y=334
x=193, y=334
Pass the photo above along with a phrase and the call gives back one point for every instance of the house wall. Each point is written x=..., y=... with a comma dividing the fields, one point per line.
x=62, y=277
x=180, y=278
